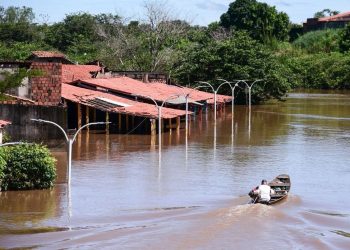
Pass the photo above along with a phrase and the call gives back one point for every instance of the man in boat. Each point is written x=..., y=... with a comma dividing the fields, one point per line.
x=264, y=191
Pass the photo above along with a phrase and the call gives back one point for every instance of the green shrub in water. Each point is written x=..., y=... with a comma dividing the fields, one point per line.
x=27, y=166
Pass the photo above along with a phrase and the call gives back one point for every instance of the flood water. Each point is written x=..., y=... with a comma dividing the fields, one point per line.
x=195, y=197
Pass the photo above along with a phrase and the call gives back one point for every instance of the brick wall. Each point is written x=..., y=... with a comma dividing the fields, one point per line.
x=46, y=88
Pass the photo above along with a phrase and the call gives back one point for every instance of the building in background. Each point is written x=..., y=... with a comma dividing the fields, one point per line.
x=73, y=95
x=329, y=22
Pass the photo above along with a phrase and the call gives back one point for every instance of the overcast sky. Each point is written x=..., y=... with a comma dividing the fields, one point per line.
x=200, y=12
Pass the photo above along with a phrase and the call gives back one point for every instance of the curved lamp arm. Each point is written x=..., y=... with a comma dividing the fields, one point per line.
x=193, y=89
x=207, y=83
x=259, y=80
x=226, y=82
x=92, y=123
x=169, y=98
x=13, y=143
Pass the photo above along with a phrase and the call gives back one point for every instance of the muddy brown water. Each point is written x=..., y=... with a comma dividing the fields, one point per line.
x=122, y=197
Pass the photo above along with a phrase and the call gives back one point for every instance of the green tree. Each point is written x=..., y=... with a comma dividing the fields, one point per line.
x=236, y=57
x=20, y=51
x=28, y=166
x=260, y=20
x=344, y=41
x=326, y=12
x=79, y=26
x=319, y=41
x=296, y=30
x=16, y=24
x=9, y=80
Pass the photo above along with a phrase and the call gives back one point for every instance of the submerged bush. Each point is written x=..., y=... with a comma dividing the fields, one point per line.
x=27, y=166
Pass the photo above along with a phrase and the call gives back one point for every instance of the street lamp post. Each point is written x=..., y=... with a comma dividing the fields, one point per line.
x=187, y=96
x=250, y=90
x=250, y=103
x=232, y=90
x=232, y=105
x=159, y=107
x=68, y=140
x=216, y=91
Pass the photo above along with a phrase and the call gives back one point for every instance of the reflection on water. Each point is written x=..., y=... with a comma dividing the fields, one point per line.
x=125, y=195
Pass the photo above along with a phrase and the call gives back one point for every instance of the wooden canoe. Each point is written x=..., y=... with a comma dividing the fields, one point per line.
x=281, y=185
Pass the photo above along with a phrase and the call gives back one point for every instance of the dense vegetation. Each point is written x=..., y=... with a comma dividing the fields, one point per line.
x=252, y=40
x=26, y=166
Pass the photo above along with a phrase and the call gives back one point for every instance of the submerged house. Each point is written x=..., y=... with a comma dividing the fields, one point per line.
x=73, y=95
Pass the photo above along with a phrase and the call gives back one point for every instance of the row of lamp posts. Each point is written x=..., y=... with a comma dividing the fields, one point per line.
x=70, y=141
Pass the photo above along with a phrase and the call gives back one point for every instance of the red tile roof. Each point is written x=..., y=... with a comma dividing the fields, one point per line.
x=44, y=54
x=158, y=91
x=4, y=123
x=345, y=16
x=71, y=73
x=85, y=96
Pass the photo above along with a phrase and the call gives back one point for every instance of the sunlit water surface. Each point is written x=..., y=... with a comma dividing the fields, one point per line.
x=195, y=197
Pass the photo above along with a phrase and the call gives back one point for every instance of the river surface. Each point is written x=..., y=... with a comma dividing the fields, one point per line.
x=195, y=197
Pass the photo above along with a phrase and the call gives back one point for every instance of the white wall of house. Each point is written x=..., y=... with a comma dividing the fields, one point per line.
x=22, y=91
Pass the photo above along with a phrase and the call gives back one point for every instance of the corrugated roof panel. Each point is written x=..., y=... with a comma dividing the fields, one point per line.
x=89, y=97
x=158, y=91
x=115, y=103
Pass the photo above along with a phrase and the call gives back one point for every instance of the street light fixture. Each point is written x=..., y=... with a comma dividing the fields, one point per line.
x=232, y=89
x=159, y=107
x=187, y=96
x=250, y=90
x=68, y=140
x=233, y=103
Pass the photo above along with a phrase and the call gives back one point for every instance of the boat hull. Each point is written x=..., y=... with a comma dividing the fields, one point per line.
x=281, y=185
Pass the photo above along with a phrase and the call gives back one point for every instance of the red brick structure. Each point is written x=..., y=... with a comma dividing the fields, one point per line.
x=46, y=89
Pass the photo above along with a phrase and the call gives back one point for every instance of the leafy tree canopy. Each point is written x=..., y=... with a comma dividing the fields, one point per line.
x=344, y=42
x=261, y=21
x=236, y=57
x=319, y=41
x=16, y=24
x=326, y=12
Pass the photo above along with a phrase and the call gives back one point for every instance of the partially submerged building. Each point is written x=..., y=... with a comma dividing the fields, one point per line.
x=73, y=95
